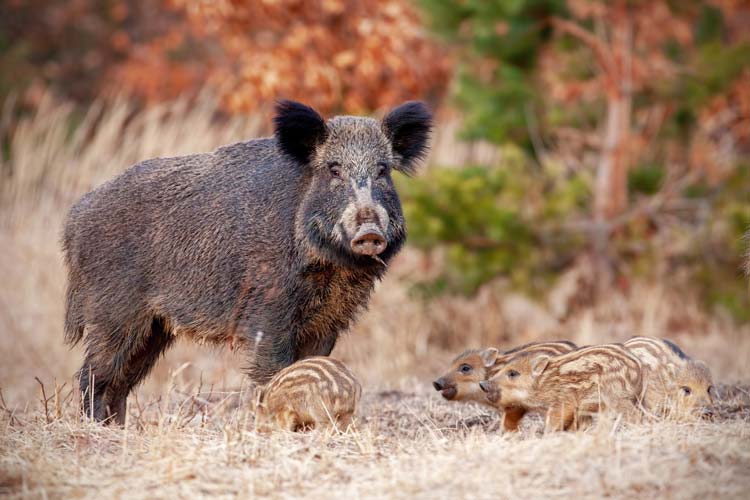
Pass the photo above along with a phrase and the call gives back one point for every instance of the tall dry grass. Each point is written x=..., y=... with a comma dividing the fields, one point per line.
x=187, y=433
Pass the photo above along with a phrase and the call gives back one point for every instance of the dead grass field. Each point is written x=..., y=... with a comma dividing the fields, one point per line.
x=189, y=431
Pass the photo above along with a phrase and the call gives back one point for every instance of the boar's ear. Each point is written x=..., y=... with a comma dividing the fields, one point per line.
x=538, y=365
x=299, y=129
x=488, y=356
x=408, y=128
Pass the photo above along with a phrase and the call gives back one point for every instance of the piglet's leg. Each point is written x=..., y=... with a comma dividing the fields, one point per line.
x=629, y=410
x=287, y=419
x=512, y=416
x=344, y=421
x=560, y=416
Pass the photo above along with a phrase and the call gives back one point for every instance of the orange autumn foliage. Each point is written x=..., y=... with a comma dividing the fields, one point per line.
x=339, y=55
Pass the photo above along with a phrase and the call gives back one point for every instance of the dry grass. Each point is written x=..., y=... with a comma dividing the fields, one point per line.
x=190, y=425
x=405, y=445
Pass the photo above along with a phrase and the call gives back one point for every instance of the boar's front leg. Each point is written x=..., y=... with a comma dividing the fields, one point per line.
x=277, y=350
x=317, y=347
x=270, y=351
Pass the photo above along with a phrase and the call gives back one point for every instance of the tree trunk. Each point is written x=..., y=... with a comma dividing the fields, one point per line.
x=611, y=188
x=611, y=184
x=611, y=191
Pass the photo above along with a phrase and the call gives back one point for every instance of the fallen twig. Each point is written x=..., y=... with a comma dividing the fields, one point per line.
x=44, y=400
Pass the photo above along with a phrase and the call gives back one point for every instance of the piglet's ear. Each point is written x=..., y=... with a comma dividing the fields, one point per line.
x=299, y=129
x=408, y=127
x=488, y=356
x=538, y=365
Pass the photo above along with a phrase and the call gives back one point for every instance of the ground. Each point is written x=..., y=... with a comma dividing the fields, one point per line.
x=405, y=445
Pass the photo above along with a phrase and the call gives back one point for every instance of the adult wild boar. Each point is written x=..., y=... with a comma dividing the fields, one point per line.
x=272, y=244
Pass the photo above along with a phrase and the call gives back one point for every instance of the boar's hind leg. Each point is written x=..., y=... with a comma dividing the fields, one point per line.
x=117, y=363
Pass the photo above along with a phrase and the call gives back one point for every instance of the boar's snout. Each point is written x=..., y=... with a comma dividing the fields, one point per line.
x=369, y=240
x=485, y=385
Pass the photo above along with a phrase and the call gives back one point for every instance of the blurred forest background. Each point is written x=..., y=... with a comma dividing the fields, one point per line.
x=585, y=151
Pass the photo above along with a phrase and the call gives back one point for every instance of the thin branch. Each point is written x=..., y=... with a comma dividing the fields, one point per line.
x=533, y=127
x=58, y=401
x=205, y=407
x=602, y=52
x=655, y=203
x=650, y=207
x=11, y=413
x=44, y=400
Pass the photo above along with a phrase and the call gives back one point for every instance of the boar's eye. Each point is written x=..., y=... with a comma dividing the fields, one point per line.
x=335, y=168
x=513, y=374
x=382, y=169
x=686, y=390
x=464, y=368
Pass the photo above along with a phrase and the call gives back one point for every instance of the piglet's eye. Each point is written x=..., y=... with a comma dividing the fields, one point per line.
x=686, y=390
x=513, y=374
x=465, y=368
x=335, y=169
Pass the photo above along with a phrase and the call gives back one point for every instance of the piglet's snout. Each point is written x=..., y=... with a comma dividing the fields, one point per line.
x=369, y=240
x=491, y=390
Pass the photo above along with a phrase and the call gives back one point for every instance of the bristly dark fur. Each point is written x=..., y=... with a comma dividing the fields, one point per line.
x=298, y=129
x=408, y=127
x=675, y=349
x=245, y=244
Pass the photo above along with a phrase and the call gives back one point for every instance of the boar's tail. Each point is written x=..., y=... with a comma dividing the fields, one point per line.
x=74, y=321
x=74, y=317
